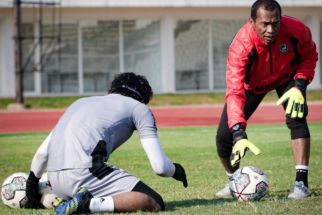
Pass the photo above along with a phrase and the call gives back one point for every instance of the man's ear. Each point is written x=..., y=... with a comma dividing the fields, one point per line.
x=252, y=22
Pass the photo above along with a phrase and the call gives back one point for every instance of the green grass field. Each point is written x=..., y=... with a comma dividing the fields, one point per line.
x=194, y=148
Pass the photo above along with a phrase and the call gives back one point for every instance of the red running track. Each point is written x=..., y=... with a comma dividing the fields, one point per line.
x=44, y=120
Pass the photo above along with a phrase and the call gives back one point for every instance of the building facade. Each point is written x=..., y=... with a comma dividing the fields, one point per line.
x=75, y=47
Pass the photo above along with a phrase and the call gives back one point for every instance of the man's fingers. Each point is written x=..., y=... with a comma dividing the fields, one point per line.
x=237, y=155
x=295, y=104
x=240, y=149
x=294, y=110
x=282, y=99
x=235, y=159
x=301, y=111
x=290, y=105
x=254, y=149
x=297, y=110
x=185, y=182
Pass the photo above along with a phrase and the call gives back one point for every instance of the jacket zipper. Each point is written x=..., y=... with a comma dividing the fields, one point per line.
x=270, y=59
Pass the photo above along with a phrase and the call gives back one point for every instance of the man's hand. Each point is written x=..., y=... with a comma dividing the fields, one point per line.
x=241, y=145
x=295, y=105
x=239, y=150
x=32, y=192
x=180, y=174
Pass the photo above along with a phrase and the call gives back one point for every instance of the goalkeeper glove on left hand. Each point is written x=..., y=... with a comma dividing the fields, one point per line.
x=241, y=145
x=180, y=174
x=295, y=104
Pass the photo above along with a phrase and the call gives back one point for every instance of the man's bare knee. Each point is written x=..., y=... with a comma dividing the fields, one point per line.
x=135, y=201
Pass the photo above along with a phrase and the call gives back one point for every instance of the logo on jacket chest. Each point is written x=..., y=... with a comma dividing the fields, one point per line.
x=283, y=48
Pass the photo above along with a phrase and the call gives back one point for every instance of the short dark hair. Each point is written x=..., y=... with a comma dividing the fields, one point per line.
x=269, y=5
x=132, y=85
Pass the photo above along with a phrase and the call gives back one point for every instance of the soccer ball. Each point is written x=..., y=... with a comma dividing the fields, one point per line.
x=13, y=190
x=47, y=194
x=248, y=184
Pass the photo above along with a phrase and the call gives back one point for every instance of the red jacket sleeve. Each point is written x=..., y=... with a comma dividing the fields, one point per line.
x=235, y=78
x=308, y=56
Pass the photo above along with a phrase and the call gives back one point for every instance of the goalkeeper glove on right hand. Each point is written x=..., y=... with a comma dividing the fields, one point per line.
x=241, y=145
x=32, y=192
x=180, y=174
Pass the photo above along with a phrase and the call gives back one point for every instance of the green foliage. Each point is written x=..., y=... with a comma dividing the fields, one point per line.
x=194, y=148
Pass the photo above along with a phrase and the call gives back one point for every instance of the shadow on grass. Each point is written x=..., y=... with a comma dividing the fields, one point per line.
x=277, y=195
x=172, y=205
x=316, y=192
x=282, y=194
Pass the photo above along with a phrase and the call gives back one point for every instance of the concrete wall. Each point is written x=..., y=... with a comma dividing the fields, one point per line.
x=168, y=17
x=7, y=73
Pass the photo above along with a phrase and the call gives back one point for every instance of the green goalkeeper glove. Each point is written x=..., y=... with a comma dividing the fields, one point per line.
x=296, y=100
x=241, y=145
x=239, y=151
x=295, y=105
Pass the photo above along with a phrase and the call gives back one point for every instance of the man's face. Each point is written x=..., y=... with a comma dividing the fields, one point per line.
x=266, y=24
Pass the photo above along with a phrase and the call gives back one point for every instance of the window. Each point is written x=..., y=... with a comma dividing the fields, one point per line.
x=191, y=55
x=223, y=32
x=107, y=48
x=111, y=47
x=100, y=42
x=60, y=61
x=142, y=53
x=28, y=66
x=199, y=58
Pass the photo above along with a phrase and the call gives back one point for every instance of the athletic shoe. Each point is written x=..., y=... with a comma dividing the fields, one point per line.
x=57, y=202
x=299, y=191
x=79, y=204
x=224, y=192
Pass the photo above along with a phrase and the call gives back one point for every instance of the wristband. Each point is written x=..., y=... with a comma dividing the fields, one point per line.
x=239, y=133
x=301, y=84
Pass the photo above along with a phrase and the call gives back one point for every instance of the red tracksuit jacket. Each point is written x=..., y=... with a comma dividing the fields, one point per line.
x=256, y=66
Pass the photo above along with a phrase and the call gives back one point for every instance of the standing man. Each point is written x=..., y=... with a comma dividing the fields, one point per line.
x=76, y=153
x=270, y=52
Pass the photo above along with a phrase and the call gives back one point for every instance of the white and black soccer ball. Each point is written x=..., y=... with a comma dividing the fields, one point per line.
x=47, y=194
x=13, y=190
x=249, y=184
